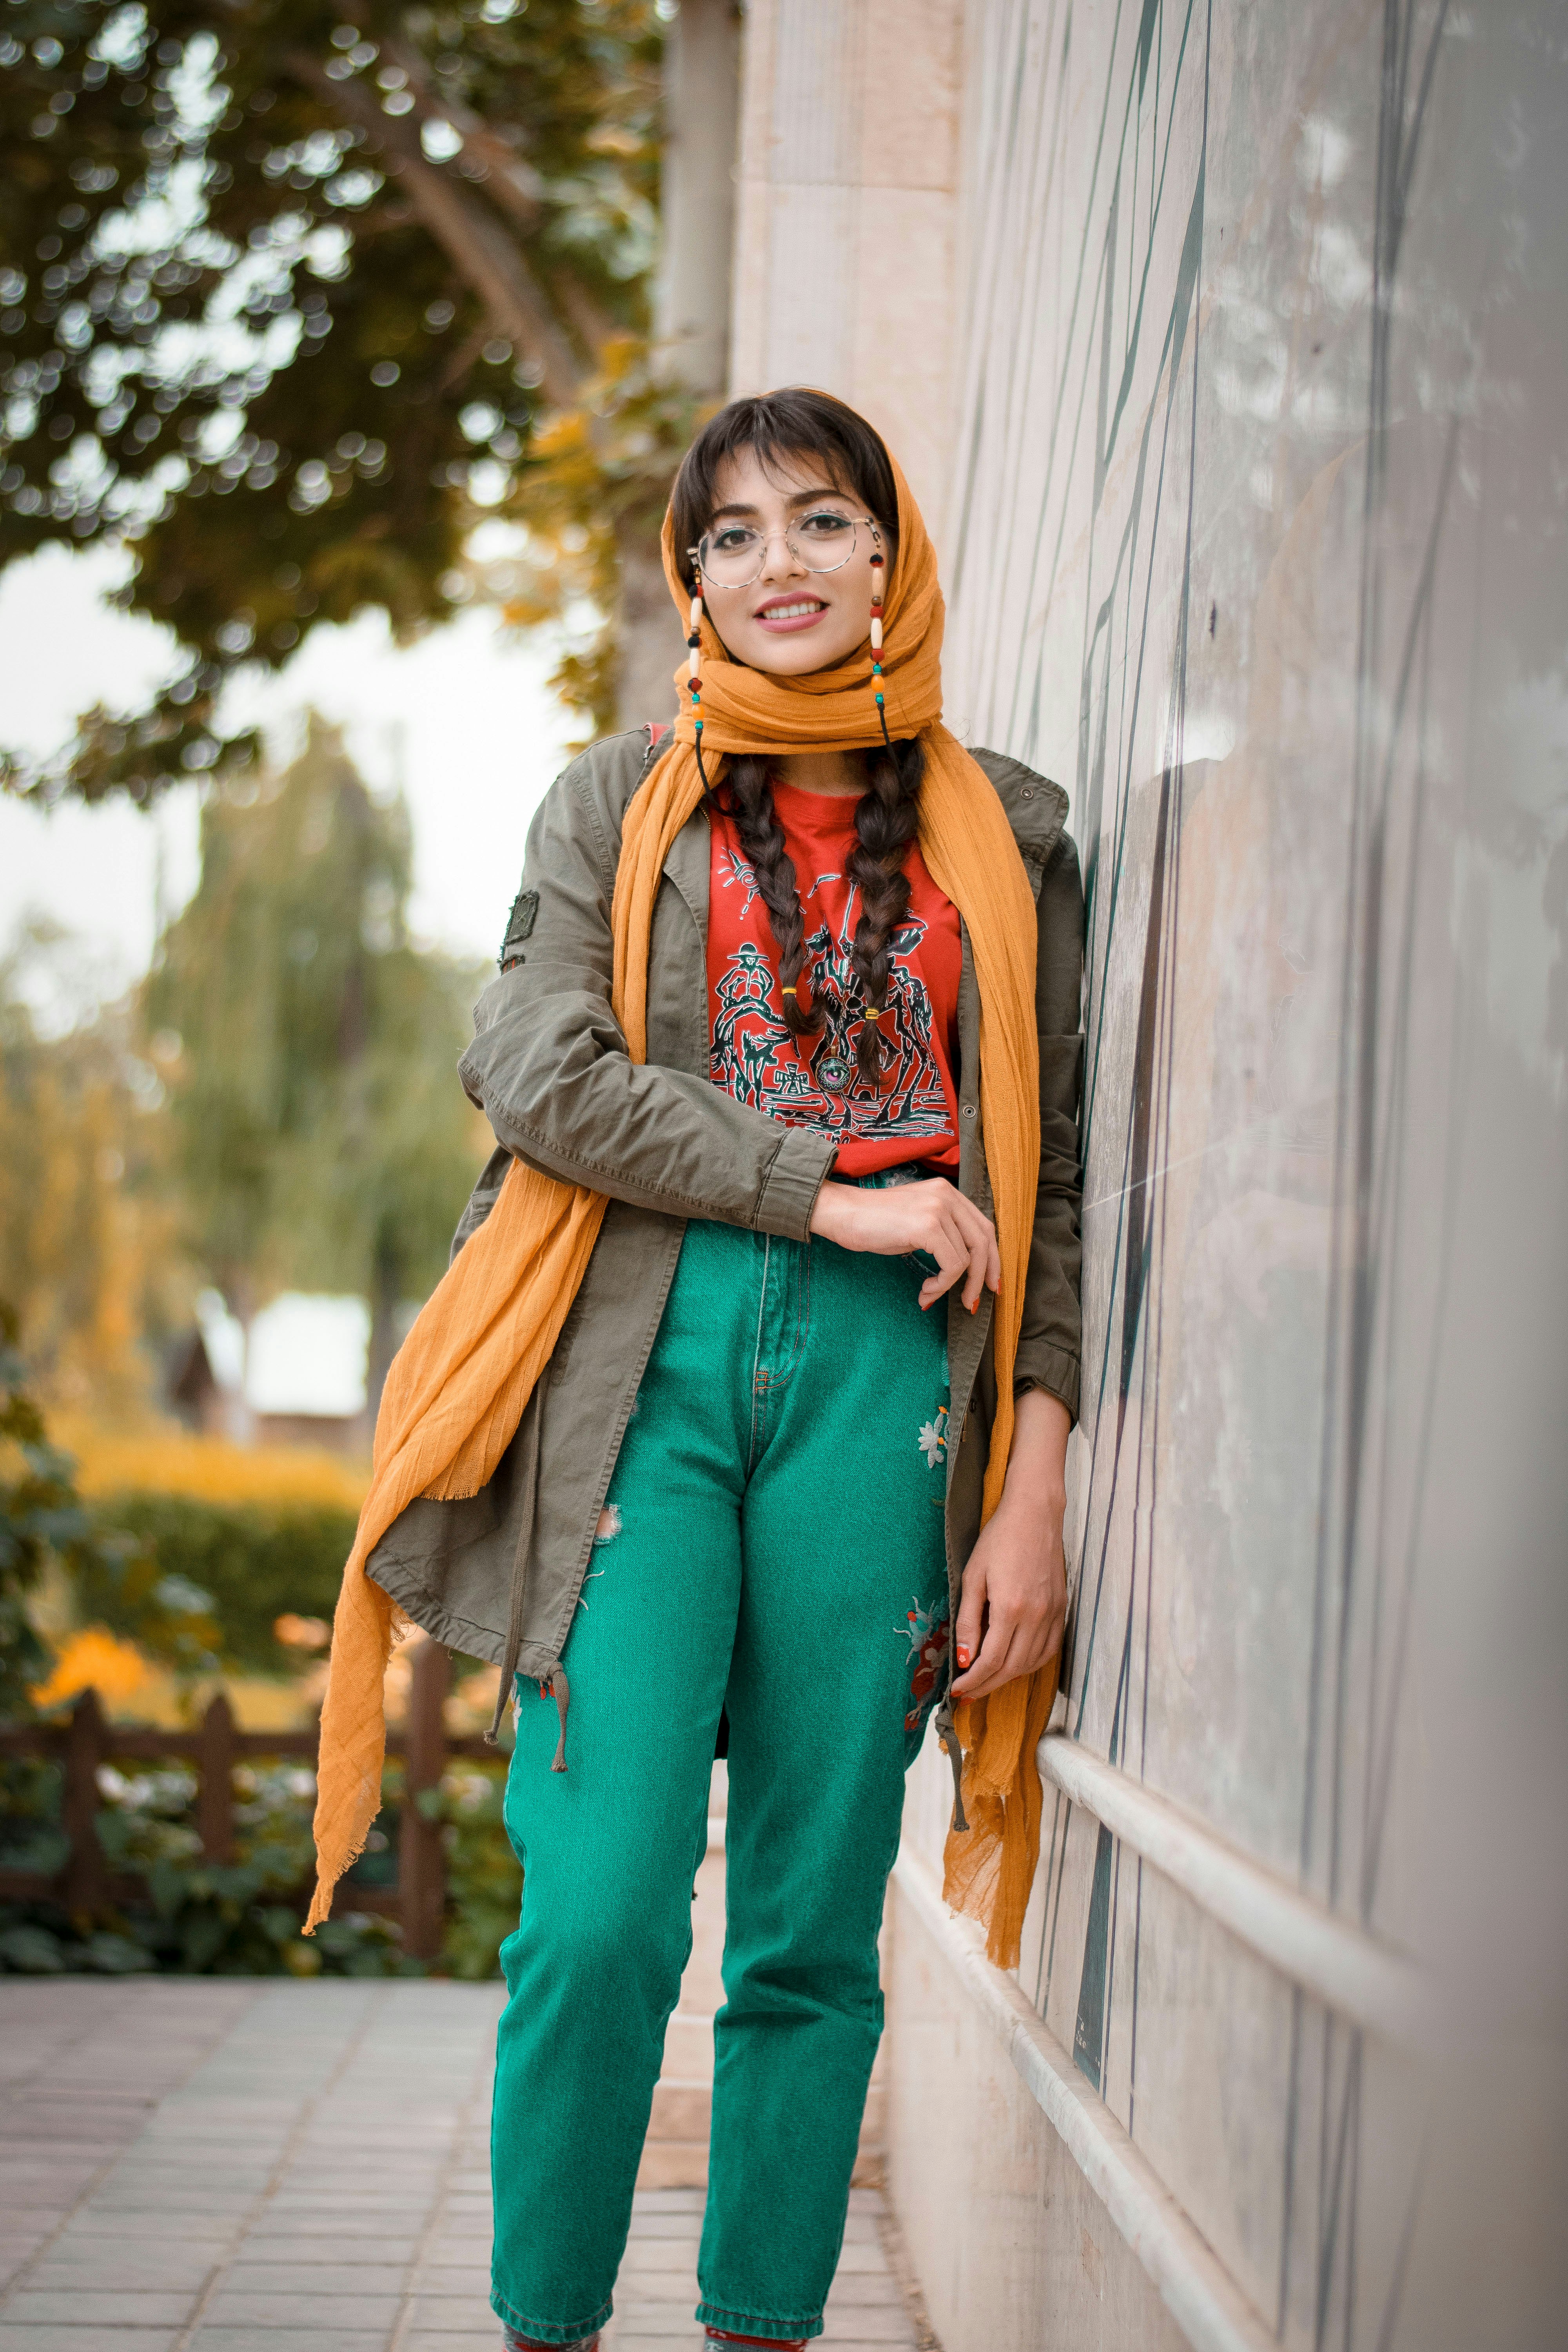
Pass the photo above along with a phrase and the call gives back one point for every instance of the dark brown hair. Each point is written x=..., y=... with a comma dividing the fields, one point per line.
x=775, y=427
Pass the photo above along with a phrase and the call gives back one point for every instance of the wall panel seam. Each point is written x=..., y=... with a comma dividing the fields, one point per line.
x=1359, y=1978
x=1193, y=2284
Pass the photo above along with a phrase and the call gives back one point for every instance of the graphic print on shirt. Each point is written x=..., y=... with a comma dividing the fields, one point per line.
x=754, y=1056
x=742, y=871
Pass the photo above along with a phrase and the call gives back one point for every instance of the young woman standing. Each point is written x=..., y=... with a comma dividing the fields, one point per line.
x=745, y=1402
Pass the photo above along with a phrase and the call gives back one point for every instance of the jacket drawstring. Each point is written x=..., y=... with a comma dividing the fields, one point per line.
x=947, y=1733
x=519, y=1571
x=557, y=1687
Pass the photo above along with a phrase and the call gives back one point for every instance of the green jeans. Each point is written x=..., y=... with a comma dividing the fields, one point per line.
x=771, y=1546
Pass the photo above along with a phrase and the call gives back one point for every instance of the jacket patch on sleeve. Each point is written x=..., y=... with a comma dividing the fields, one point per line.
x=519, y=925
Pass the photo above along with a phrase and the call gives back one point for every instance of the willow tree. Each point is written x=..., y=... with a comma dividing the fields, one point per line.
x=309, y=1048
x=292, y=290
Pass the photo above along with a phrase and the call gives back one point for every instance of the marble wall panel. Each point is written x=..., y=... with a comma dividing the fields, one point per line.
x=1258, y=543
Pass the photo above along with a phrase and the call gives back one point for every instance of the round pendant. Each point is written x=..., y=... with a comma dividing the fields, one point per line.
x=834, y=1074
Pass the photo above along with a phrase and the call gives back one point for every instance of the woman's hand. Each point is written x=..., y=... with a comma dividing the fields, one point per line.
x=933, y=1216
x=1013, y=1609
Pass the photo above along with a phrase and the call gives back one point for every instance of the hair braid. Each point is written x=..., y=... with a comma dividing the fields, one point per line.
x=762, y=838
x=885, y=820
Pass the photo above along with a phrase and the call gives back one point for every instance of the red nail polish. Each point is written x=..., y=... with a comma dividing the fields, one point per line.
x=963, y=1657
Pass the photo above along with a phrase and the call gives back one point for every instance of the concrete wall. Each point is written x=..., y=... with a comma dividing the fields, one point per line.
x=845, y=237
x=1227, y=344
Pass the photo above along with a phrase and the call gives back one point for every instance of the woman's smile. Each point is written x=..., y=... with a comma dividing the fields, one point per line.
x=789, y=613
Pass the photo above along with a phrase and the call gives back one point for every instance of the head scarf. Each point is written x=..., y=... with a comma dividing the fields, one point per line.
x=462, y=1379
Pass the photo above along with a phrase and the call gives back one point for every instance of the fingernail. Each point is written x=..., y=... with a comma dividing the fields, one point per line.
x=963, y=1657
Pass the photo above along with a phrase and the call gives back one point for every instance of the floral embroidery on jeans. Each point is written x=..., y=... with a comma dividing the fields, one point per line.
x=932, y=1439
x=928, y=1638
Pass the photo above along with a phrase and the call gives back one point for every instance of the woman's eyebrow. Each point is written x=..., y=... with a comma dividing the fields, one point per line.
x=797, y=498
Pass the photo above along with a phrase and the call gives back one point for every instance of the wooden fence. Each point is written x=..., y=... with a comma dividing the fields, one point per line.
x=87, y=1739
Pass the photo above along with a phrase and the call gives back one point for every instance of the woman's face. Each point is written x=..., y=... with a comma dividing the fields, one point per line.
x=791, y=619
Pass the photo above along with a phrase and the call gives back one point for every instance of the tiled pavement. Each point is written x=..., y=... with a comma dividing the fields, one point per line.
x=203, y=2166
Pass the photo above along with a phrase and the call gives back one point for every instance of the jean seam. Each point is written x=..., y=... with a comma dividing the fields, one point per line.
x=802, y=1286
x=758, y=1388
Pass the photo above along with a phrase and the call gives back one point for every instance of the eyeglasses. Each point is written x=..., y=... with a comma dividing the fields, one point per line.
x=734, y=555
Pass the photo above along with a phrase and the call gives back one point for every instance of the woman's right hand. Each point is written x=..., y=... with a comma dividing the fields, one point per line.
x=932, y=1215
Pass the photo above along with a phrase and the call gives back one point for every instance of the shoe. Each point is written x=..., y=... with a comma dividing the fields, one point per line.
x=720, y=2337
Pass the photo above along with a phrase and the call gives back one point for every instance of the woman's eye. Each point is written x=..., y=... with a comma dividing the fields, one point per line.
x=727, y=542
x=827, y=525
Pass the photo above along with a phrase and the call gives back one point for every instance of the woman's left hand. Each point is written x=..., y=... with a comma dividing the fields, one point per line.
x=1013, y=1609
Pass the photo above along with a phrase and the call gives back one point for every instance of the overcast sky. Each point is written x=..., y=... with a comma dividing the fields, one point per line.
x=463, y=719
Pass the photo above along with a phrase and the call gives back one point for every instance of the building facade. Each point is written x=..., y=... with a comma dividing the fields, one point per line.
x=1224, y=347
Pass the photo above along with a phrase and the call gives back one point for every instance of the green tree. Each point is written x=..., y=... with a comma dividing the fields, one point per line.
x=286, y=289
x=89, y=1252
x=323, y=1138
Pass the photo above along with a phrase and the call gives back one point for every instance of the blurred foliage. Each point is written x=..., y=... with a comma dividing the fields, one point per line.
x=168, y=1461
x=484, y=1879
x=243, y=1918
x=44, y=1524
x=321, y=1141
x=89, y=1253
x=256, y=1562
x=198, y=1918
x=282, y=292
x=592, y=494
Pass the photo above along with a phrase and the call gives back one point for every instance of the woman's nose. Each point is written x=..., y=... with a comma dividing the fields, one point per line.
x=780, y=561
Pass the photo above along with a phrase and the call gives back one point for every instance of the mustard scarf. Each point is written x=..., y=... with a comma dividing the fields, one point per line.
x=460, y=1383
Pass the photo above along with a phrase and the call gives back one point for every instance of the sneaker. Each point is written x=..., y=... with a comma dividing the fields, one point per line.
x=720, y=2335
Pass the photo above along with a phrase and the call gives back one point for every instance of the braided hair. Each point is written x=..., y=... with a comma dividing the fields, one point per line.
x=776, y=428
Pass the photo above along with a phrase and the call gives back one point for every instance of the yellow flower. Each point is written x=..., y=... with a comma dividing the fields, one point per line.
x=94, y=1659
x=163, y=1461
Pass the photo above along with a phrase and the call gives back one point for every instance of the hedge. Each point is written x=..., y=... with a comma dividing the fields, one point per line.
x=256, y=1561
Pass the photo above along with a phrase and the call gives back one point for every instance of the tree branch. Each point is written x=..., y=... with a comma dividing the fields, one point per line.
x=477, y=245
x=513, y=183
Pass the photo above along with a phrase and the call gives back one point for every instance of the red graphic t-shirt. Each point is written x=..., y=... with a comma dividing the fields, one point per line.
x=814, y=1081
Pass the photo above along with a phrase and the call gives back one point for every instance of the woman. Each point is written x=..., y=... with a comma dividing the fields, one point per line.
x=700, y=1429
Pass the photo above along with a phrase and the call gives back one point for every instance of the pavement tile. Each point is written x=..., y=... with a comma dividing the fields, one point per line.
x=457, y=2311
x=283, y=2219
x=297, y=2251
x=39, y=2198
x=95, y=2224
x=80, y=2308
x=369, y=2279
x=73, y=2268
x=864, y=2288
x=660, y=2254
x=265, y=2339
x=863, y=2323
x=247, y=2308
x=88, y=2340
x=456, y=2278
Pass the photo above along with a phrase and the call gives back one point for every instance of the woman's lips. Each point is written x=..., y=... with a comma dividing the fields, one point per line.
x=790, y=614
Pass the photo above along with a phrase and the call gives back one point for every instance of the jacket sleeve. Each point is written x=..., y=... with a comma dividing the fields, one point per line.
x=481, y=1200
x=1049, y=1341
x=550, y=1069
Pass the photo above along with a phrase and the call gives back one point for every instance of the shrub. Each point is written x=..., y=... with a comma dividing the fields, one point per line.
x=252, y=1562
x=196, y=1919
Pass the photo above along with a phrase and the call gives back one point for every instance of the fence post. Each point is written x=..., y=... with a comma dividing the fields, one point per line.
x=86, y=1876
x=214, y=1787
x=421, y=1861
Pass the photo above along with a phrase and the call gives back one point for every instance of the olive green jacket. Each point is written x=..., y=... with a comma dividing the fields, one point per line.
x=549, y=1067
